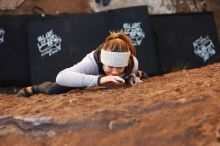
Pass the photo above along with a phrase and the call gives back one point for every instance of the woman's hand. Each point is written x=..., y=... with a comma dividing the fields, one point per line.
x=111, y=79
x=133, y=80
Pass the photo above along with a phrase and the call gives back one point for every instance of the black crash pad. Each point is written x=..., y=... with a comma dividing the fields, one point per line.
x=14, y=62
x=185, y=41
x=60, y=43
x=14, y=56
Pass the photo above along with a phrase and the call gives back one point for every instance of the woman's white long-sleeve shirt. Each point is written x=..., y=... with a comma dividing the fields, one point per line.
x=84, y=73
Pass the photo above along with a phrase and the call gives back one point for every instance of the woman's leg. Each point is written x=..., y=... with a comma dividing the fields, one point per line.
x=51, y=88
x=46, y=87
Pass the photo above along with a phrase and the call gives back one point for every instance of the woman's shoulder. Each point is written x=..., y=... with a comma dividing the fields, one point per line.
x=135, y=68
x=90, y=55
x=135, y=61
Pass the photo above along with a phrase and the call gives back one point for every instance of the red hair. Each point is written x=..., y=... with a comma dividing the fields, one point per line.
x=119, y=42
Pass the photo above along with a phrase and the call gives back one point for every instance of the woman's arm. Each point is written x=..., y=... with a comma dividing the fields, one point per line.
x=83, y=74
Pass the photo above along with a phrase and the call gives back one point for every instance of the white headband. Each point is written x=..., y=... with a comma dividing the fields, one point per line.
x=115, y=59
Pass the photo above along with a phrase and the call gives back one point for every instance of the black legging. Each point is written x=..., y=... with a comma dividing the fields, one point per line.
x=50, y=88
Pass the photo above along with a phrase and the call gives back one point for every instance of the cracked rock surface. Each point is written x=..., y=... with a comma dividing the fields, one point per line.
x=180, y=108
x=10, y=5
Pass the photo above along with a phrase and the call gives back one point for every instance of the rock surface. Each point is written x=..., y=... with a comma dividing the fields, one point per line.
x=154, y=7
x=10, y=5
x=176, y=109
x=180, y=108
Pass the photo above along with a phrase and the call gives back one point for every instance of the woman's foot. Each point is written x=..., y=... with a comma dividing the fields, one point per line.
x=25, y=92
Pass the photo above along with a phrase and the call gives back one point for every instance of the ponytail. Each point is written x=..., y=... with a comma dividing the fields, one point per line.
x=126, y=42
